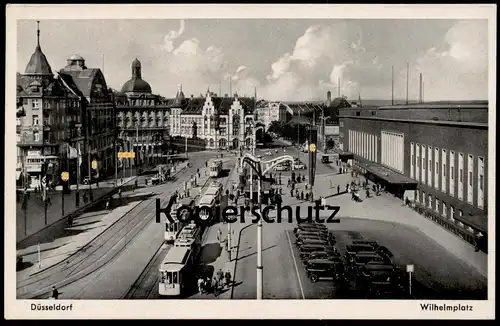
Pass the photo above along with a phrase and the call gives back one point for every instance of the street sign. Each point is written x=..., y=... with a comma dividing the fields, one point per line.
x=126, y=155
x=65, y=176
x=312, y=148
x=409, y=268
x=94, y=164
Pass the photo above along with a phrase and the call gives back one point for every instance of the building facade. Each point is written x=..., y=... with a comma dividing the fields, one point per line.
x=268, y=112
x=52, y=120
x=143, y=118
x=440, y=148
x=223, y=122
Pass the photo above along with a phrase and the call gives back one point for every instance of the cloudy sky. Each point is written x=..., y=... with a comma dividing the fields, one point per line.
x=286, y=59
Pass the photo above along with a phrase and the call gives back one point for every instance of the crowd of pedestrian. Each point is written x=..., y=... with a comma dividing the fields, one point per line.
x=216, y=285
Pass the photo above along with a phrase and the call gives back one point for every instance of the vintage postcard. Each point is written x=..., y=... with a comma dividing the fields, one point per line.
x=192, y=161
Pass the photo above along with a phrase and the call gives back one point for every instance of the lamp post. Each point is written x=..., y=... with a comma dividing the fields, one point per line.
x=256, y=164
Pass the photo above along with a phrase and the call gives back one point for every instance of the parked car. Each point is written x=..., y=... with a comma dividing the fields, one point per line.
x=325, y=269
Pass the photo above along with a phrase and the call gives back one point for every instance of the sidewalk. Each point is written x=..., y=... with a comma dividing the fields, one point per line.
x=390, y=209
x=35, y=215
x=214, y=253
x=88, y=225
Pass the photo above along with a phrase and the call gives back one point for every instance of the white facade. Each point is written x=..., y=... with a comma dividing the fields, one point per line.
x=452, y=174
x=436, y=168
x=393, y=150
x=363, y=144
x=443, y=171
x=470, y=178
x=228, y=136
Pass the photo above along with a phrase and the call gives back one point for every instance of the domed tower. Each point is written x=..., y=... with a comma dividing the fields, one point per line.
x=75, y=63
x=38, y=67
x=136, y=84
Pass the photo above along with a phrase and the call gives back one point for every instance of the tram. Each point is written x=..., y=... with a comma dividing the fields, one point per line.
x=172, y=229
x=215, y=168
x=175, y=270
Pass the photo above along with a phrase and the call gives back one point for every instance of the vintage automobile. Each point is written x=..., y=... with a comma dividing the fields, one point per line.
x=325, y=269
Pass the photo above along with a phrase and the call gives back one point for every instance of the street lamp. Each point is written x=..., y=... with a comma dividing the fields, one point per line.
x=256, y=164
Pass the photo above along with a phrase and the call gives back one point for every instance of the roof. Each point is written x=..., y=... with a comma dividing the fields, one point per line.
x=206, y=200
x=387, y=174
x=175, y=259
x=75, y=57
x=38, y=64
x=82, y=81
x=222, y=105
x=441, y=105
x=479, y=222
x=49, y=87
x=136, y=85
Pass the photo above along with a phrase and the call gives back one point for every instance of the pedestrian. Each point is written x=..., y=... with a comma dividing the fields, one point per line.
x=200, y=285
x=220, y=276
x=55, y=293
x=219, y=235
x=215, y=287
x=338, y=190
x=136, y=183
x=107, y=204
x=291, y=193
x=227, y=276
x=302, y=195
x=70, y=220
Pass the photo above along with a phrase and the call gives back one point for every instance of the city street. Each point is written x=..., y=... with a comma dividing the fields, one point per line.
x=136, y=228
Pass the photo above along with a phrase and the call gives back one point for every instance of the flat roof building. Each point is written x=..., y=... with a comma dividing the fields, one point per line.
x=433, y=153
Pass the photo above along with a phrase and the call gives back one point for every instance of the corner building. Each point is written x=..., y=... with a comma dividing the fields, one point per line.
x=433, y=153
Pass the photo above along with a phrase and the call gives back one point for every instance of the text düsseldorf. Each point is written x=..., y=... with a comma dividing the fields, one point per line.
x=229, y=214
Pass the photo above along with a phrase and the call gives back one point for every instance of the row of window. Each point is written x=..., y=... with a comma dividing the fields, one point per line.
x=37, y=104
x=363, y=144
x=392, y=144
x=439, y=206
x=436, y=168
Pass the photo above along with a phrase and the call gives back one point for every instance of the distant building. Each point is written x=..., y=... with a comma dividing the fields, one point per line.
x=268, y=112
x=143, y=118
x=223, y=122
x=433, y=153
x=61, y=119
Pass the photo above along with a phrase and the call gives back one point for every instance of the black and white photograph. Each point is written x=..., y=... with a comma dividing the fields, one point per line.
x=250, y=154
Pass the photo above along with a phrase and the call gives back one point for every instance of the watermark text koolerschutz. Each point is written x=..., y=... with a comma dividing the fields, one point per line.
x=207, y=215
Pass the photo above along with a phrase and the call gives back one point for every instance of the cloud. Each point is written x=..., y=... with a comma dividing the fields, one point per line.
x=459, y=71
x=454, y=68
x=168, y=40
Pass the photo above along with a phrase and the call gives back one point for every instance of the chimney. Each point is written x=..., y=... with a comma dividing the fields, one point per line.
x=420, y=90
x=329, y=97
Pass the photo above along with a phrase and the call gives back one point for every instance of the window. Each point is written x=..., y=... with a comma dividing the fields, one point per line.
x=341, y=124
x=36, y=136
x=429, y=203
x=460, y=212
x=460, y=176
x=444, y=212
x=18, y=121
x=452, y=212
x=18, y=138
x=412, y=158
x=36, y=121
x=423, y=197
x=470, y=188
x=358, y=113
x=36, y=104
x=437, y=205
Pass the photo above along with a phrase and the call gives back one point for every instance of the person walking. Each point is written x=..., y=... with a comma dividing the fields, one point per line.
x=220, y=276
x=55, y=293
x=227, y=276
x=215, y=287
x=200, y=284
x=338, y=190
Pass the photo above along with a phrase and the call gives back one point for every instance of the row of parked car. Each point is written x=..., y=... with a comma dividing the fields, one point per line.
x=366, y=262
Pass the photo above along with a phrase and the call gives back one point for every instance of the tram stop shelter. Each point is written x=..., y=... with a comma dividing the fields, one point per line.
x=396, y=183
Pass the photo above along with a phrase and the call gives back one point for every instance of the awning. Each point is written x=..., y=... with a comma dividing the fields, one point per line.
x=387, y=174
x=344, y=155
x=478, y=222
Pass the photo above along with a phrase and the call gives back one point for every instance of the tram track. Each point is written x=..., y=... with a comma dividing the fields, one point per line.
x=97, y=253
x=145, y=285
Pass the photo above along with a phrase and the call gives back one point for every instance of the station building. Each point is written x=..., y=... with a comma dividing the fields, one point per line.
x=435, y=154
